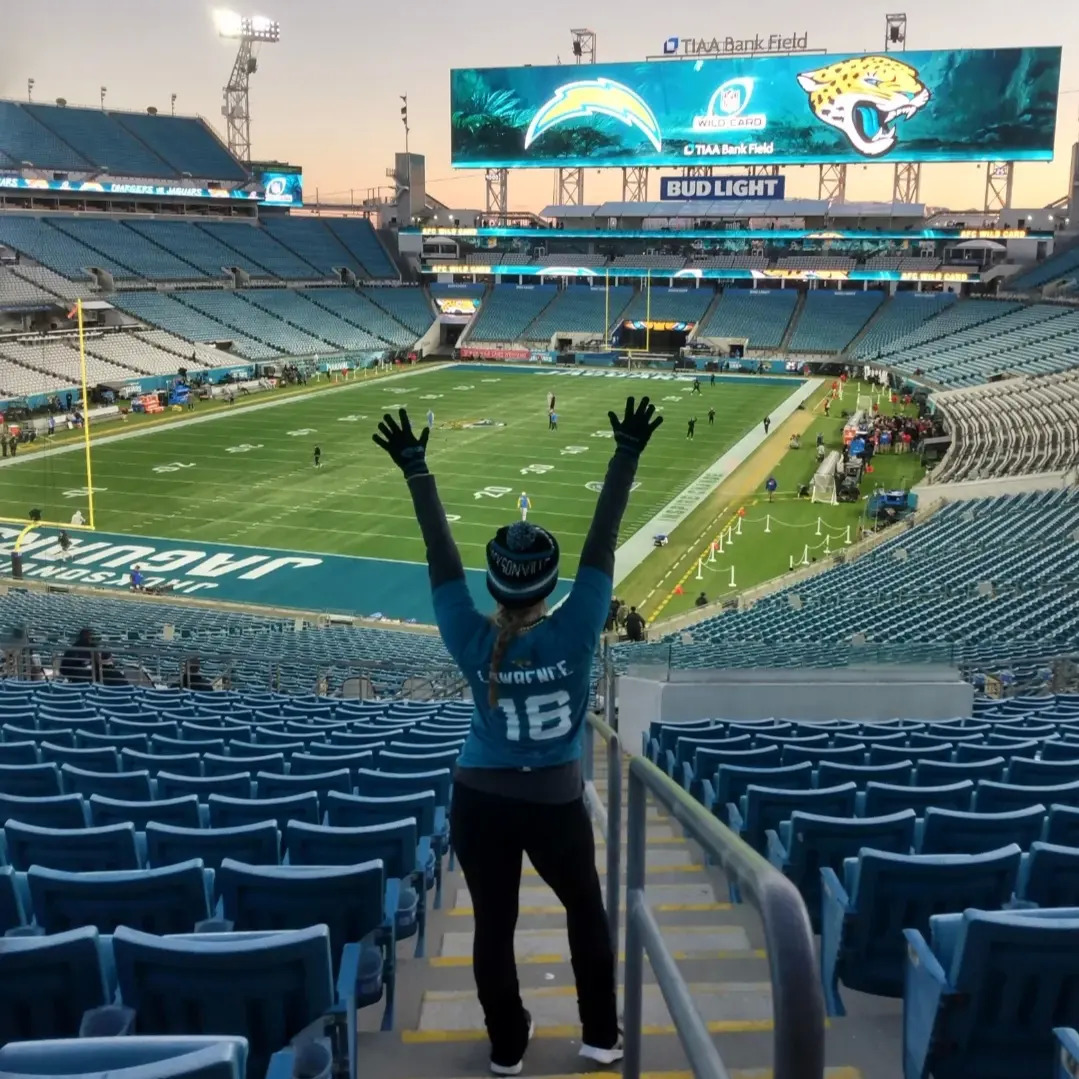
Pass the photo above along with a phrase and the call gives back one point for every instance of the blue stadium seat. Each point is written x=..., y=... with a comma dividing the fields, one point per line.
x=686, y=746
x=706, y=761
x=969, y=752
x=235, y=812
x=881, y=799
x=186, y=764
x=1025, y=771
x=1002, y=797
x=12, y=915
x=266, y=988
x=257, y=844
x=948, y=831
x=159, y=743
x=281, y=786
x=190, y=1057
x=30, y=780
x=983, y=994
x=47, y=984
x=237, y=785
x=317, y=761
x=172, y=899
x=832, y=773
x=89, y=740
x=133, y=786
x=864, y=914
x=852, y=754
x=764, y=808
x=180, y=812
x=1049, y=876
x=55, y=811
x=76, y=850
x=941, y=773
x=1060, y=749
x=888, y=754
x=348, y=900
x=732, y=781
x=215, y=765
x=395, y=845
x=1062, y=826
x=397, y=763
x=19, y=753
x=803, y=845
x=101, y=759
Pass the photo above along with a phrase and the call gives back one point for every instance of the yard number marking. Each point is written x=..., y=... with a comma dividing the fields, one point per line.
x=173, y=466
x=244, y=447
x=572, y=450
x=492, y=492
x=353, y=418
x=82, y=492
x=300, y=431
x=537, y=470
x=603, y=434
x=596, y=486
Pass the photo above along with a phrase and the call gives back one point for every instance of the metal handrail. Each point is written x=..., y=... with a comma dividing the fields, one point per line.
x=609, y=816
x=797, y=999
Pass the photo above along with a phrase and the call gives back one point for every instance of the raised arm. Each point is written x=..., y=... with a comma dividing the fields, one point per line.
x=631, y=435
x=409, y=453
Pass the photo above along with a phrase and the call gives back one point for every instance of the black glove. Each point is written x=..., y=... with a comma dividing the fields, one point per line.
x=409, y=453
x=635, y=428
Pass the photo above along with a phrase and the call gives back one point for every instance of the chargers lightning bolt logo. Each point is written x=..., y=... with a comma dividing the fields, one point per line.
x=595, y=97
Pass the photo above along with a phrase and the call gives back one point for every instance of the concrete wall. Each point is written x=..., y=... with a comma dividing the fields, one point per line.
x=871, y=693
x=934, y=494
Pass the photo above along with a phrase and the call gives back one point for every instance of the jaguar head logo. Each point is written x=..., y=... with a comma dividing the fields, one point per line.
x=865, y=97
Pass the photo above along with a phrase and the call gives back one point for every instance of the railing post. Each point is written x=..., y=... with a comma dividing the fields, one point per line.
x=636, y=839
x=614, y=837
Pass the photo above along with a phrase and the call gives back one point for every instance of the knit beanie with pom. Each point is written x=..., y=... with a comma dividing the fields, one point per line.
x=522, y=564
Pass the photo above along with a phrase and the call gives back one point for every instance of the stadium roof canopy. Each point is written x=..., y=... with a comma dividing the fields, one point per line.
x=728, y=208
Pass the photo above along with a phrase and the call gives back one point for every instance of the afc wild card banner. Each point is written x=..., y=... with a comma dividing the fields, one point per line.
x=957, y=105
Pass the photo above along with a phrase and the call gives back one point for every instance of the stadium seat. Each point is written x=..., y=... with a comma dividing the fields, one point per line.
x=132, y=786
x=12, y=915
x=318, y=761
x=853, y=754
x=237, y=785
x=941, y=773
x=19, y=753
x=882, y=799
x=267, y=988
x=187, y=764
x=189, y=1057
x=258, y=844
x=1049, y=876
x=1062, y=826
x=1067, y=1062
x=864, y=914
x=348, y=900
x=1024, y=771
x=395, y=845
x=283, y=786
x=948, y=831
x=707, y=759
x=48, y=984
x=236, y=812
x=1002, y=797
x=55, y=811
x=804, y=844
x=832, y=773
x=75, y=850
x=732, y=781
x=100, y=759
x=214, y=765
x=983, y=994
x=180, y=812
x=172, y=899
x=763, y=808
x=30, y=780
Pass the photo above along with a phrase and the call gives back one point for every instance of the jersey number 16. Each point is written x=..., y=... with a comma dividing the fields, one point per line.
x=547, y=716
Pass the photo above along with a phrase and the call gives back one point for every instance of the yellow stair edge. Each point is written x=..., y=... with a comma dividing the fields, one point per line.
x=466, y=960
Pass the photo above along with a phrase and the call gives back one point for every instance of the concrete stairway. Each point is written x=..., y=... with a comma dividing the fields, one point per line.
x=718, y=947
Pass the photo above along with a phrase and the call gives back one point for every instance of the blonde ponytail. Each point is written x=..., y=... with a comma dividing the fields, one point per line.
x=510, y=624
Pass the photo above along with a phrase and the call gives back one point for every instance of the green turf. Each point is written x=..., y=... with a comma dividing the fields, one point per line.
x=248, y=478
x=759, y=556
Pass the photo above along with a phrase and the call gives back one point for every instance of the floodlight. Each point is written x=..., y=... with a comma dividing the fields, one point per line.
x=228, y=23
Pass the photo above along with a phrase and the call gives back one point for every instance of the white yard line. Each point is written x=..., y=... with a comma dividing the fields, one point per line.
x=209, y=417
x=640, y=545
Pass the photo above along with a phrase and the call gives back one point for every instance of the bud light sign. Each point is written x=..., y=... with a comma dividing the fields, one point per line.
x=720, y=188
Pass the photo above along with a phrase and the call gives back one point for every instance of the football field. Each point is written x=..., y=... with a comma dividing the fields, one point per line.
x=247, y=477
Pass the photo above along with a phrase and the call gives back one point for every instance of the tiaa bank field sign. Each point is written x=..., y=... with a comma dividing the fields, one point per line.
x=721, y=188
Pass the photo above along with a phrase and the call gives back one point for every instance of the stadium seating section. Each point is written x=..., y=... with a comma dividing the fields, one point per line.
x=762, y=316
x=131, y=145
x=831, y=320
x=939, y=588
x=1012, y=428
x=508, y=310
x=1060, y=269
x=579, y=309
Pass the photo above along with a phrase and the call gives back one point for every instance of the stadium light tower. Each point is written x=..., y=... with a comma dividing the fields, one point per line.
x=569, y=183
x=250, y=31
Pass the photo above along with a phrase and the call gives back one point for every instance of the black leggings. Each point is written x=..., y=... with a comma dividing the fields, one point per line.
x=491, y=834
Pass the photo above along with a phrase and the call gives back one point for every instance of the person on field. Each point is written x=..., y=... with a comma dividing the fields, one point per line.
x=518, y=786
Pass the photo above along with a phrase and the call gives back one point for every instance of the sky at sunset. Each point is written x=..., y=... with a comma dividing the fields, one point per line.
x=326, y=96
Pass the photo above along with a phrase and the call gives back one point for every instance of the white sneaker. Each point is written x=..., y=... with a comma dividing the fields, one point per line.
x=602, y=1056
x=515, y=1069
